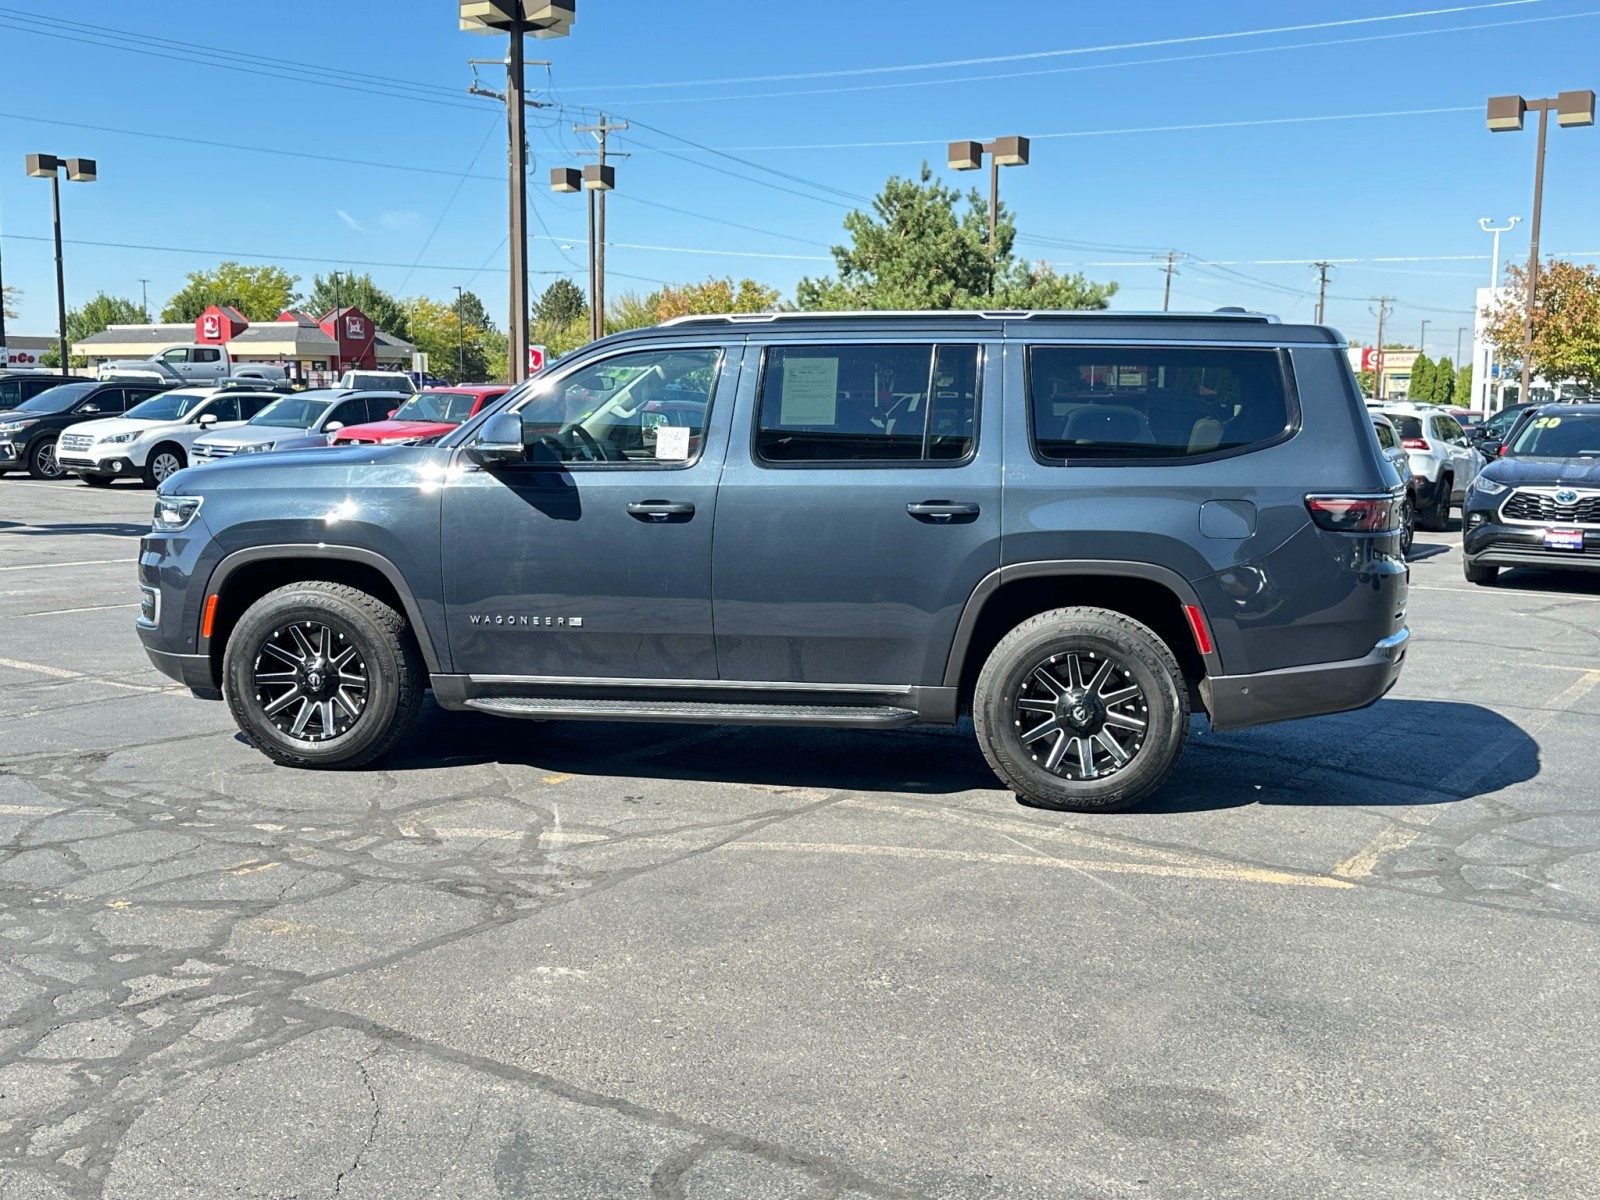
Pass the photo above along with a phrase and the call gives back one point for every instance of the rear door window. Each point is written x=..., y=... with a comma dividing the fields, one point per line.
x=868, y=403
x=223, y=408
x=1386, y=437
x=105, y=401
x=1099, y=403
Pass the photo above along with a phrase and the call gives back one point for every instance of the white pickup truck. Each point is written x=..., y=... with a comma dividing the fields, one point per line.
x=196, y=364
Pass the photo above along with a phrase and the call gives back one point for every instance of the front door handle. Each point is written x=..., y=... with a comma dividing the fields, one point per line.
x=942, y=512
x=661, y=510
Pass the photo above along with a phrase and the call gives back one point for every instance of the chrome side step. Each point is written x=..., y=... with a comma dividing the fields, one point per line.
x=695, y=712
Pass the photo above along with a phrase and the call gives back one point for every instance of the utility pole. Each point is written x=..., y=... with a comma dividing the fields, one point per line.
x=1422, y=341
x=461, y=341
x=597, y=220
x=1322, y=289
x=1385, y=307
x=1172, y=257
x=144, y=299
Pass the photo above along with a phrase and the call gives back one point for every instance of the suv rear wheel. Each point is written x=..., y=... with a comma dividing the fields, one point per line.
x=1082, y=709
x=323, y=675
x=1436, y=517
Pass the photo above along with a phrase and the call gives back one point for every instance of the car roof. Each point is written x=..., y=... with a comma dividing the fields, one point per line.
x=470, y=389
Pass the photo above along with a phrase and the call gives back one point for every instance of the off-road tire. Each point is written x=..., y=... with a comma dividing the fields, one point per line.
x=151, y=478
x=1436, y=517
x=384, y=643
x=42, y=462
x=1408, y=524
x=1482, y=575
x=99, y=481
x=1142, y=656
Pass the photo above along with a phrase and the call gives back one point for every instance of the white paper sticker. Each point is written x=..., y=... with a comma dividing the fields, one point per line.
x=810, y=391
x=672, y=442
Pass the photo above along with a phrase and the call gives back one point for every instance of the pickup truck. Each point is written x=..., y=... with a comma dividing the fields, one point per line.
x=197, y=364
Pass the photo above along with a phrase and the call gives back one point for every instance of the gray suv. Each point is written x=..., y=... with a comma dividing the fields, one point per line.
x=1076, y=528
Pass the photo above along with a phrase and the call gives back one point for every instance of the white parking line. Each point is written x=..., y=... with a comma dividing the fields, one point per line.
x=87, y=562
x=57, y=612
x=63, y=673
x=1503, y=591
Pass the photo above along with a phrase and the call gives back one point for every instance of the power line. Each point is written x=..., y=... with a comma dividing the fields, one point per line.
x=1190, y=39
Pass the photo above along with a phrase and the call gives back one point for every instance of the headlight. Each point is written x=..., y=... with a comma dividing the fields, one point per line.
x=173, y=513
x=17, y=426
x=1489, y=487
x=118, y=439
x=258, y=448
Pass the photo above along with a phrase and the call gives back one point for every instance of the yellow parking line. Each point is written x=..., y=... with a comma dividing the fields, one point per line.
x=1409, y=824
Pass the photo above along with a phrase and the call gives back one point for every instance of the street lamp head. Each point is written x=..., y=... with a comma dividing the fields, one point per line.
x=1011, y=151
x=1506, y=112
x=1575, y=108
x=566, y=179
x=542, y=19
x=966, y=156
x=42, y=166
x=600, y=177
x=81, y=170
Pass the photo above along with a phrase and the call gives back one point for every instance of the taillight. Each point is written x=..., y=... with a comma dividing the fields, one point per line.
x=1413, y=444
x=1355, y=514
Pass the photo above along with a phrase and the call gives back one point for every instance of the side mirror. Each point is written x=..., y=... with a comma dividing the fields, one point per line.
x=207, y=420
x=392, y=412
x=333, y=427
x=1493, y=449
x=90, y=408
x=499, y=439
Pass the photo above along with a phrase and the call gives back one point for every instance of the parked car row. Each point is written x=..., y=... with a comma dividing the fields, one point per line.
x=139, y=426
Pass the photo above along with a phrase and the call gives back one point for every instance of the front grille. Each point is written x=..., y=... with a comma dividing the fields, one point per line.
x=1542, y=508
x=76, y=441
x=214, y=451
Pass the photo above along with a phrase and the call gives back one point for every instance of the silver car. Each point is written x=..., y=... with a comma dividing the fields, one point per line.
x=297, y=422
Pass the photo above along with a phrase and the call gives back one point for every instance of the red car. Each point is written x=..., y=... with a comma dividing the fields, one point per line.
x=425, y=416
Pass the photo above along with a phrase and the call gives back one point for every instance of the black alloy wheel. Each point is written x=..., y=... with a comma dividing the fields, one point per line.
x=1081, y=716
x=310, y=681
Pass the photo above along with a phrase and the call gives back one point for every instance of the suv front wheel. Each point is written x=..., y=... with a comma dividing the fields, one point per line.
x=323, y=675
x=1082, y=709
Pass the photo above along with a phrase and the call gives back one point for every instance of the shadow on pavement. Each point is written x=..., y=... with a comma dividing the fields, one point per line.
x=131, y=529
x=1536, y=579
x=1397, y=753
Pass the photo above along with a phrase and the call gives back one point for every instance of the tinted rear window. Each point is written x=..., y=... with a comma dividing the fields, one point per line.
x=1134, y=402
x=1408, y=427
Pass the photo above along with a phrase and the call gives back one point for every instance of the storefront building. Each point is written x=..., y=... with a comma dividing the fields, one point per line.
x=313, y=351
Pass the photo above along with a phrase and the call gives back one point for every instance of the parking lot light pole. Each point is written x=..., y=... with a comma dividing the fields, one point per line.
x=79, y=170
x=1494, y=287
x=1504, y=116
x=518, y=19
x=461, y=340
x=1002, y=152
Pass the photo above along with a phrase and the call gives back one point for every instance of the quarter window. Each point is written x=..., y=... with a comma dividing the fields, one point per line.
x=645, y=408
x=868, y=403
x=1100, y=403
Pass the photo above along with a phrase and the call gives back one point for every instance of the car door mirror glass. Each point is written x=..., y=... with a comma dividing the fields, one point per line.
x=499, y=439
x=207, y=420
x=333, y=427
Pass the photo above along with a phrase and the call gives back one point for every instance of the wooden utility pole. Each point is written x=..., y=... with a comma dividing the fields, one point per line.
x=1172, y=257
x=1322, y=289
x=598, y=180
x=1385, y=306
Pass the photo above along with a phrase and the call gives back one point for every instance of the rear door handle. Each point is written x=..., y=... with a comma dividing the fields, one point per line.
x=660, y=510
x=941, y=512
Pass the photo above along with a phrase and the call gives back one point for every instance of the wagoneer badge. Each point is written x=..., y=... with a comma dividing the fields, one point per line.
x=527, y=622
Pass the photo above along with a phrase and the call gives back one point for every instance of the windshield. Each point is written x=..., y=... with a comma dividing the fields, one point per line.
x=452, y=407
x=292, y=412
x=1559, y=437
x=57, y=399
x=170, y=406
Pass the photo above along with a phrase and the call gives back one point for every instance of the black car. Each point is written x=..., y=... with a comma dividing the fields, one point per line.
x=17, y=386
x=1538, y=504
x=29, y=431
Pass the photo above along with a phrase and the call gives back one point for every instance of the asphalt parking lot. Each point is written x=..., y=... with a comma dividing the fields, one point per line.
x=1350, y=957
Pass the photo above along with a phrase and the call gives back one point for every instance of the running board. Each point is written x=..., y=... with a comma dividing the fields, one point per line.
x=695, y=712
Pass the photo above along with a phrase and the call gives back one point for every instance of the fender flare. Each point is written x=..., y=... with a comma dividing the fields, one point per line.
x=353, y=554
x=1064, y=568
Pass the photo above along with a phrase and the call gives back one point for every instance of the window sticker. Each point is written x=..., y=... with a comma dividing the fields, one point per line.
x=810, y=391
x=672, y=442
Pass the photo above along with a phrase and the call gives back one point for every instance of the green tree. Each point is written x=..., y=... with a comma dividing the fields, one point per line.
x=1566, y=322
x=347, y=290
x=918, y=250
x=629, y=310
x=1461, y=392
x=259, y=292
x=1444, y=381
x=92, y=318
x=562, y=303
x=474, y=313
x=713, y=296
x=456, y=352
x=1420, y=390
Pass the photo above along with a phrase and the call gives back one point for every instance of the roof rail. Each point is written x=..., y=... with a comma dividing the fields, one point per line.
x=1019, y=314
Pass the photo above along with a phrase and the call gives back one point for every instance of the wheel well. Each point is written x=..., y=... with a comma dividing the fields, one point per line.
x=1145, y=601
x=254, y=580
x=160, y=446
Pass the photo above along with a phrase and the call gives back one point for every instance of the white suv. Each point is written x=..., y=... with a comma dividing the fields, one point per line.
x=1443, y=462
x=152, y=440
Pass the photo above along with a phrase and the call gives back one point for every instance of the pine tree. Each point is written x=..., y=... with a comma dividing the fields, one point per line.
x=1420, y=390
x=1444, y=381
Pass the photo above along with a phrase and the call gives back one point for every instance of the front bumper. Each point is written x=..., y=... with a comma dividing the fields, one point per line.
x=111, y=468
x=10, y=455
x=1239, y=701
x=1490, y=544
x=191, y=670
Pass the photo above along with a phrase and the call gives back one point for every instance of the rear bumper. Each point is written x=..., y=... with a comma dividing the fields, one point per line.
x=1239, y=701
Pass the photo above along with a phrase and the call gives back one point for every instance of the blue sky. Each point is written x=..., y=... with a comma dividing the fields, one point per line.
x=1111, y=182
